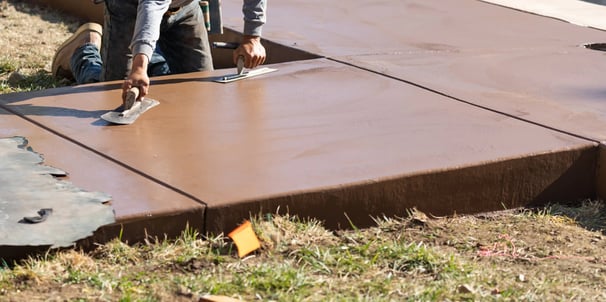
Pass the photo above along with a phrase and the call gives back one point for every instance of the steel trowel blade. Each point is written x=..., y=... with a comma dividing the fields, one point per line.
x=118, y=117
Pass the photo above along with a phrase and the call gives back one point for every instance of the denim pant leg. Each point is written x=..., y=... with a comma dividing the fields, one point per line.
x=118, y=28
x=86, y=64
x=157, y=64
x=184, y=40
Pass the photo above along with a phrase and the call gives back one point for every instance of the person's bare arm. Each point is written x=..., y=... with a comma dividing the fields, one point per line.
x=147, y=31
x=137, y=77
x=250, y=47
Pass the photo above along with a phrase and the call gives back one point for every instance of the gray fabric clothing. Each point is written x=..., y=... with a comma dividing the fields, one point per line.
x=150, y=13
x=179, y=3
x=182, y=44
x=254, y=16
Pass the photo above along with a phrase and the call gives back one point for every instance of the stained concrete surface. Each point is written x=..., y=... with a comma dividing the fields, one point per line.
x=444, y=106
x=141, y=205
x=521, y=64
x=87, y=10
x=272, y=142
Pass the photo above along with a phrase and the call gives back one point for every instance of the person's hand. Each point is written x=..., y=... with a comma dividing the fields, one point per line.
x=137, y=78
x=252, y=50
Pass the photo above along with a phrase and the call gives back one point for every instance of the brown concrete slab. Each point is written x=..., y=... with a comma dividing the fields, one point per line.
x=318, y=138
x=86, y=10
x=141, y=205
x=521, y=64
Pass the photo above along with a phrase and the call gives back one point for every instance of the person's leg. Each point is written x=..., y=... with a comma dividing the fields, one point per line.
x=86, y=64
x=78, y=57
x=120, y=17
x=184, y=40
x=157, y=64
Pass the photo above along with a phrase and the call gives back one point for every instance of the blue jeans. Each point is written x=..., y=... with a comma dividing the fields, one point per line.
x=87, y=65
x=183, y=45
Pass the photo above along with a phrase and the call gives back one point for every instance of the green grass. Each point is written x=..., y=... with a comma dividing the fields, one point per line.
x=302, y=261
x=29, y=78
x=7, y=66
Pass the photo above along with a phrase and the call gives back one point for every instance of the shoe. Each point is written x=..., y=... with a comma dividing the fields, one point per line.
x=61, y=66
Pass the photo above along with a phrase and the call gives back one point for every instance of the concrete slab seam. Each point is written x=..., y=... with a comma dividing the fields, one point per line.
x=432, y=90
x=124, y=165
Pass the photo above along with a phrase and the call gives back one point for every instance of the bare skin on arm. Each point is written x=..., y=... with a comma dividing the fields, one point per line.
x=138, y=77
x=150, y=15
x=251, y=49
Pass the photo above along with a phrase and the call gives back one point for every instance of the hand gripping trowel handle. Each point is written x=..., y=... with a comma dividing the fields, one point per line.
x=131, y=108
x=130, y=101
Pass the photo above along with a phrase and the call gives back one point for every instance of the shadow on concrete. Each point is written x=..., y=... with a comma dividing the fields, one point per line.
x=22, y=96
x=600, y=2
x=52, y=111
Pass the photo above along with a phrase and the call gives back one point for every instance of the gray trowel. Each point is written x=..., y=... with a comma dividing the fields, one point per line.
x=130, y=111
x=240, y=72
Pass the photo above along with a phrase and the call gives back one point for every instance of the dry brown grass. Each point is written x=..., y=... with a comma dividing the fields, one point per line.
x=30, y=36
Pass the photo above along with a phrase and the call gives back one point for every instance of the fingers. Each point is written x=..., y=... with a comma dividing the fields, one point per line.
x=254, y=61
x=253, y=52
x=128, y=84
x=251, y=60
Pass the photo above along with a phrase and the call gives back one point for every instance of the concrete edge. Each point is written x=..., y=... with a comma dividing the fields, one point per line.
x=562, y=176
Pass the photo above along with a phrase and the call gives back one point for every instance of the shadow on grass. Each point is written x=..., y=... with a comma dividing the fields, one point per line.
x=590, y=214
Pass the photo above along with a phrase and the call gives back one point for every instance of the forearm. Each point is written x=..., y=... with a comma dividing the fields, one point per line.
x=147, y=26
x=140, y=62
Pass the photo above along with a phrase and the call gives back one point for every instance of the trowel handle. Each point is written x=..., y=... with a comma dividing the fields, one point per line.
x=240, y=65
x=131, y=96
x=225, y=45
x=133, y=93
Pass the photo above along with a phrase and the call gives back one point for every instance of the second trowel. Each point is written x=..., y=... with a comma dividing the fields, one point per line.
x=130, y=111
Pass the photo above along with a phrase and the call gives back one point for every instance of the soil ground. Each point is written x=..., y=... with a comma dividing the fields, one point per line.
x=552, y=253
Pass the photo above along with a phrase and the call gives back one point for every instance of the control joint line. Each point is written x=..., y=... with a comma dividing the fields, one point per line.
x=465, y=102
x=122, y=164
